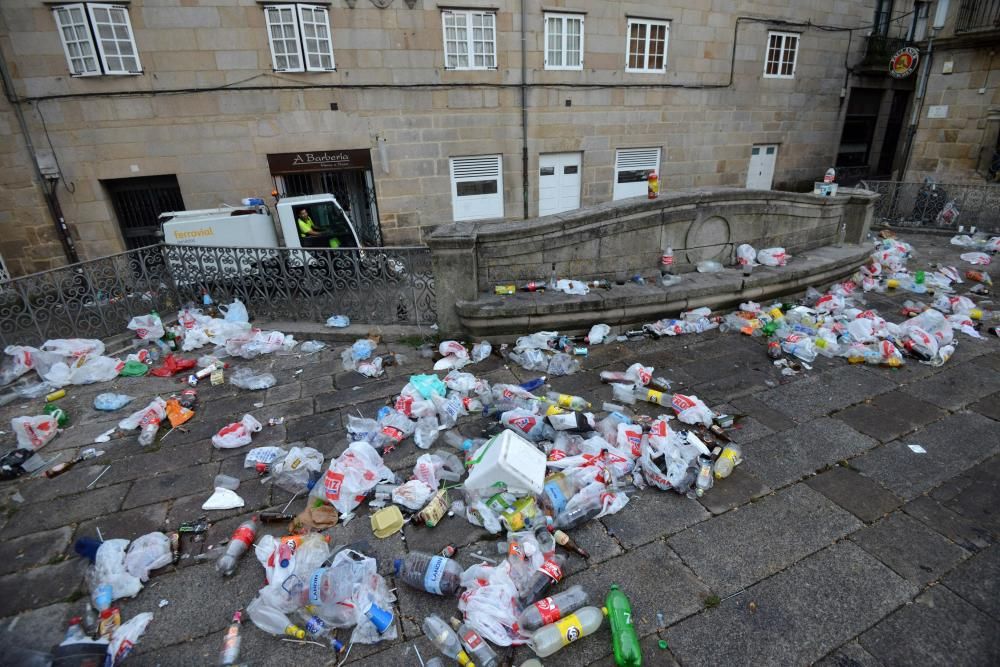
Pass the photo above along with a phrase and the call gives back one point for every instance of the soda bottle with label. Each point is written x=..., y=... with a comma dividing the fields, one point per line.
x=477, y=648
x=551, y=609
x=230, y=653
x=239, y=543
x=551, y=638
x=569, y=401
x=434, y=574
x=549, y=572
x=624, y=640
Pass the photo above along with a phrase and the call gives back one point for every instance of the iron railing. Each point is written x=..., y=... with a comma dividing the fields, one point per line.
x=922, y=204
x=879, y=50
x=96, y=299
x=978, y=15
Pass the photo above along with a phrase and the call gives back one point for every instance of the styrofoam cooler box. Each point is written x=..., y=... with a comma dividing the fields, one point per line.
x=507, y=459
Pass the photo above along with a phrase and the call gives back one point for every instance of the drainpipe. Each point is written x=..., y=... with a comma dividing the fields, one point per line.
x=48, y=190
x=524, y=113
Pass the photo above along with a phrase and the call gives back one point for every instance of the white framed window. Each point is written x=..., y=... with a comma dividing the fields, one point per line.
x=476, y=187
x=632, y=169
x=646, y=48
x=782, y=52
x=97, y=39
x=300, y=39
x=563, y=41
x=470, y=39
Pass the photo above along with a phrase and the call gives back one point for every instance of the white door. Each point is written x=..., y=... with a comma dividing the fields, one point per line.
x=477, y=187
x=559, y=182
x=760, y=175
x=632, y=167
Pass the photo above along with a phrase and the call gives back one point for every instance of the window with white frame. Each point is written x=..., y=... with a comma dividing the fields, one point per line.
x=563, y=41
x=782, y=52
x=646, y=50
x=470, y=39
x=477, y=187
x=300, y=38
x=97, y=39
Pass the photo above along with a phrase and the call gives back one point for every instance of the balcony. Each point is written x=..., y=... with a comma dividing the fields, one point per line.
x=975, y=15
x=879, y=50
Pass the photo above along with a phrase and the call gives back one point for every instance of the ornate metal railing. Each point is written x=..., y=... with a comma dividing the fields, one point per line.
x=921, y=204
x=96, y=299
x=978, y=15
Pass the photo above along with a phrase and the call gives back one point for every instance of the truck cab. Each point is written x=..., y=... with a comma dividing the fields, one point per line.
x=332, y=227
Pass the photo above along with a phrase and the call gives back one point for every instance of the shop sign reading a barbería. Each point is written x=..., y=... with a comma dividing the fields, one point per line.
x=319, y=160
x=904, y=62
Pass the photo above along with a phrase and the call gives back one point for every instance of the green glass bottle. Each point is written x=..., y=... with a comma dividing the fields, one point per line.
x=623, y=637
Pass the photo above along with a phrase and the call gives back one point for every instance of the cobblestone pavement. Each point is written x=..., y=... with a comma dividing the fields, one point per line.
x=833, y=542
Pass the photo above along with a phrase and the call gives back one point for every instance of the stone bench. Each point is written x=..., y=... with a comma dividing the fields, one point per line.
x=632, y=304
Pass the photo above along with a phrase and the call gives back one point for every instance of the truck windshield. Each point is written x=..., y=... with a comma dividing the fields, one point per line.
x=331, y=220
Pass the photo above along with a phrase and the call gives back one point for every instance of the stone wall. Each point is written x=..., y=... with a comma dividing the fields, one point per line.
x=216, y=140
x=28, y=239
x=622, y=238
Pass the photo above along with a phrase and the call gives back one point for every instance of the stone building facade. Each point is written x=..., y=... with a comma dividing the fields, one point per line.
x=414, y=112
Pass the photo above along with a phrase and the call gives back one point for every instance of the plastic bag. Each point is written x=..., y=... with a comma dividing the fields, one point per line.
x=247, y=378
x=22, y=360
x=362, y=349
x=412, y=495
x=453, y=347
x=235, y=312
x=746, y=255
x=861, y=330
x=639, y=374
x=236, y=434
x=490, y=603
x=126, y=636
x=147, y=327
x=352, y=475
x=109, y=570
x=525, y=424
x=980, y=258
x=563, y=364
x=133, y=369
x=85, y=370
x=311, y=346
x=371, y=368
x=948, y=215
x=149, y=552
x=157, y=409
x=36, y=390
x=772, y=257
x=34, y=432
x=709, y=266
x=172, y=366
x=481, y=351
x=432, y=469
x=691, y=410
x=599, y=334
x=572, y=287
x=298, y=470
x=339, y=321
x=427, y=385
x=74, y=347
x=109, y=401
x=263, y=456
x=426, y=432
x=531, y=359
x=177, y=413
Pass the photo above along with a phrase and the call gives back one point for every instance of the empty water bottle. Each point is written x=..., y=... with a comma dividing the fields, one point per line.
x=434, y=574
x=446, y=640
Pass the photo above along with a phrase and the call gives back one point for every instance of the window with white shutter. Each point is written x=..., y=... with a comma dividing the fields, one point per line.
x=563, y=41
x=477, y=187
x=632, y=169
x=470, y=40
x=97, y=39
x=300, y=38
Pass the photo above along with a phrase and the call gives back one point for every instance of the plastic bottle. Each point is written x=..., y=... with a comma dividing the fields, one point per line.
x=667, y=261
x=110, y=620
x=240, y=541
x=150, y=426
x=730, y=456
x=230, y=653
x=434, y=574
x=704, y=481
x=272, y=620
x=624, y=640
x=551, y=638
x=441, y=634
x=75, y=633
x=318, y=629
x=549, y=572
x=551, y=609
x=578, y=516
x=553, y=280
x=477, y=648
x=557, y=490
x=569, y=401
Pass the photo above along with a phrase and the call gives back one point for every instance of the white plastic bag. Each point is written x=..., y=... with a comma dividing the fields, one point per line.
x=412, y=495
x=111, y=401
x=311, y=346
x=691, y=410
x=746, y=255
x=294, y=472
x=432, y=469
x=948, y=215
x=572, y=287
x=709, y=266
x=350, y=476
x=772, y=257
x=490, y=603
x=481, y=351
x=85, y=370
x=157, y=409
x=235, y=312
x=979, y=258
x=34, y=432
x=74, y=347
x=126, y=636
x=426, y=431
x=338, y=321
x=109, y=569
x=563, y=364
x=598, y=334
x=236, y=434
x=147, y=327
x=149, y=552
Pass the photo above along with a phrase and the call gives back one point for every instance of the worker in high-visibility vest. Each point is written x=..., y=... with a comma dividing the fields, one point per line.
x=310, y=236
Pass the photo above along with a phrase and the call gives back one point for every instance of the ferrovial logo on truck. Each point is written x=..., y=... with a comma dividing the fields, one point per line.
x=194, y=233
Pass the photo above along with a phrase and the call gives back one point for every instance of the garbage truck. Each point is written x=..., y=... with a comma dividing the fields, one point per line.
x=261, y=249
